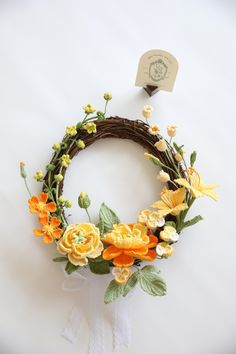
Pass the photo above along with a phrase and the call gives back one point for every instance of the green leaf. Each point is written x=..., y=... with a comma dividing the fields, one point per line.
x=156, y=161
x=192, y=221
x=99, y=266
x=130, y=283
x=60, y=259
x=101, y=227
x=151, y=282
x=113, y=291
x=70, y=268
x=108, y=217
x=193, y=157
x=179, y=149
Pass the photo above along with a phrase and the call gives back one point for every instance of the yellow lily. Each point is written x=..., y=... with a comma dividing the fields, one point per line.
x=172, y=202
x=195, y=185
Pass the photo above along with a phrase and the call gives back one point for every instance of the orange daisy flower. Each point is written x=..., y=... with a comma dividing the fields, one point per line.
x=40, y=205
x=50, y=229
x=128, y=242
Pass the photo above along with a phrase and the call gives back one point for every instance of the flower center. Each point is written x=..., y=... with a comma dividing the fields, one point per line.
x=41, y=205
x=78, y=238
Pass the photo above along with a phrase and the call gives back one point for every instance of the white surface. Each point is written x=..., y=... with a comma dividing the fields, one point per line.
x=57, y=56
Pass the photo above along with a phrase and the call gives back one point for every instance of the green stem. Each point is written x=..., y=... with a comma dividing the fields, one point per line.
x=27, y=187
x=105, y=109
x=88, y=215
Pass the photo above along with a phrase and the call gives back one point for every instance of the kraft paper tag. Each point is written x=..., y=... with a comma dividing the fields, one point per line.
x=157, y=68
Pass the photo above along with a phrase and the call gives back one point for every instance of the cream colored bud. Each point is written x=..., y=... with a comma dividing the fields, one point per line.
x=178, y=157
x=171, y=130
x=163, y=176
x=161, y=145
x=147, y=111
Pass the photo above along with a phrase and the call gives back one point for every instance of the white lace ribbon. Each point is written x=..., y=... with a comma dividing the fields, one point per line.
x=91, y=290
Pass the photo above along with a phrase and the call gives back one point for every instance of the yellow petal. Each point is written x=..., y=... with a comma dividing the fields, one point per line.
x=183, y=182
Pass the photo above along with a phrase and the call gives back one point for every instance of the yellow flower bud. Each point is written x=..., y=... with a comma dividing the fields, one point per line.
x=58, y=178
x=68, y=203
x=154, y=129
x=80, y=143
x=171, y=130
x=178, y=157
x=107, y=96
x=61, y=199
x=38, y=176
x=147, y=111
x=163, y=176
x=161, y=145
x=56, y=147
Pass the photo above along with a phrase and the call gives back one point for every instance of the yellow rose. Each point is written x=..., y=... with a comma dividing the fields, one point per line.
x=80, y=242
x=121, y=274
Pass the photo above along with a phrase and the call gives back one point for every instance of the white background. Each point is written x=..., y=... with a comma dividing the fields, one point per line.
x=56, y=56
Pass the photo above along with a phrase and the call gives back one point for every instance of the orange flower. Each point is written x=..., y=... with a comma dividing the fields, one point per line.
x=128, y=242
x=50, y=229
x=40, y=205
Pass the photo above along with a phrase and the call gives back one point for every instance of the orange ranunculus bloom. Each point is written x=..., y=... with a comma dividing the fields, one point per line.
x=49, y=229
x=128, y=242
x=40, y=205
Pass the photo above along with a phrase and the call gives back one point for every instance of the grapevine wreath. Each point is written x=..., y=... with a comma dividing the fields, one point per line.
x=110, y=245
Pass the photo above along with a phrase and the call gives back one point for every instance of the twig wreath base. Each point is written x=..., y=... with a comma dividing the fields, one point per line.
x=110, y=245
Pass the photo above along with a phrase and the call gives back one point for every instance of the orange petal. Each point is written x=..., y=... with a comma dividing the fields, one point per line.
x=48, y=238
x=38, y=232
x=150, y=256
x=57, y=233
x=51, y=207
x=111, y=252
x=55, y=222
x=43, y=197
x=153, y=240
x=43, y=219
x=123, y=261
x=136, y=252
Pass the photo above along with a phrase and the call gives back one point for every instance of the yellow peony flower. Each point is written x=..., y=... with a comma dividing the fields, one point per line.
x=128, y=242
x=154, y=129
x=163, y=249
x=195, y=185
x=121, y=274
x=172, y=202
x=90, y=128
x=151, y=219
x=169, y=234
x=80, y=242
x=71, y=130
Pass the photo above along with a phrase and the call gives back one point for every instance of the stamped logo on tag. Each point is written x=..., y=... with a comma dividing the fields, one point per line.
x=157, y=68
